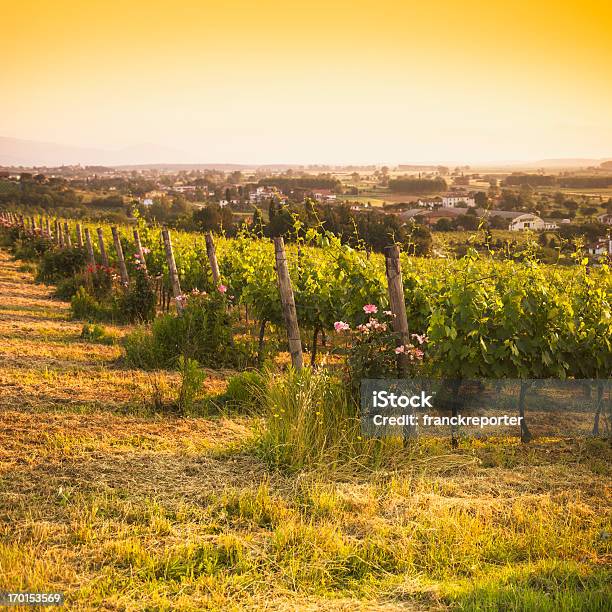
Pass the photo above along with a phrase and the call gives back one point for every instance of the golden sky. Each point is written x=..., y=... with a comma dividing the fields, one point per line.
x=311, y=82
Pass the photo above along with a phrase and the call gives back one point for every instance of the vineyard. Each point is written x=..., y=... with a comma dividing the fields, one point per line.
x=261, y=345
x=482, y=317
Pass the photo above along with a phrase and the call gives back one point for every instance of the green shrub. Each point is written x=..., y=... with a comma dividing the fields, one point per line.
x=97, y=333
x=86, y=307
x=58, y=264
x=140, y=349
x=66, y=289
x=244, y=391
x=192, y=378
x=137, y=303
x=31, y=248
x=100, y=281
x=30, y=268
x=25, y=244
x=203, y=331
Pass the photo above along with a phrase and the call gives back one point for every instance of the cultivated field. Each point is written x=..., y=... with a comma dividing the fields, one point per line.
x=122, y=508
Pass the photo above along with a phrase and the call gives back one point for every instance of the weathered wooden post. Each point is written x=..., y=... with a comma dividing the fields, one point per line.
x=398, y=305
x=125, y=279
x=60, y=232
x=22, y=221
x=48, y=227
x=33, y=223
x=79, y=236
x=212, y=258
x=288, y=304
x=103, y=254
x=41, y=224
x=91, y=258
x=67, y=237
x=174, y=277
x=56, y=231
x=139, y=251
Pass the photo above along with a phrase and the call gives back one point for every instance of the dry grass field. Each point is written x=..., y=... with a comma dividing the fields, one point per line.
x=122, y=508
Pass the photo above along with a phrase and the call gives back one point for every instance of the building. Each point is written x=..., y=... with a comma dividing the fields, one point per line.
x=430, y=217
x=264, y=194
x=184, y=188
x=528, y=221
x=601, y=247
x=155, y=194
x=324, y=195
x=430, y=202
x=453, y=200
x=606, y=218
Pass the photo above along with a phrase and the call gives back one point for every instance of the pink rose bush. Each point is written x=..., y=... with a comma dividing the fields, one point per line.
x=373, y=350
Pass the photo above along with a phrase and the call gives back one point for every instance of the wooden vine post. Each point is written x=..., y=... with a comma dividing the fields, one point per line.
x=56, y=231
x=60, y=235
x=288, y=304
x=398, y=305
x=91, y=258
x=103, y=254
x=33, y=221
x=48, y=227
x=67, y=237
x=79, y=235
x=139, y=251
x=125, y=279
x=174, y=277
x=212, y=258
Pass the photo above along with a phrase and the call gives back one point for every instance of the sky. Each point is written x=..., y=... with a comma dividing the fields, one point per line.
x=311, y=82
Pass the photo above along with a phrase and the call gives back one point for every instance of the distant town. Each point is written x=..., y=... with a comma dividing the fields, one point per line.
x=422, y=204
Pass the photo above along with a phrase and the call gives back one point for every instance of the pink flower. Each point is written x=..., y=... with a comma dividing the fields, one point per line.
x=370, y=309
x=420, y=338
x=145, y=250
x=222, y=288
x=388, y=313
x=400, y=350
x=341, y=326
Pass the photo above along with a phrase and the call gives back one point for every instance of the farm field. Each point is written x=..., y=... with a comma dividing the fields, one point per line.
x=122, y=507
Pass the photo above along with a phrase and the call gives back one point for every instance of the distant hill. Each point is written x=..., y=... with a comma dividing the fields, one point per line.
x=18, y=152
x=32, y=153
x=559, y=164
